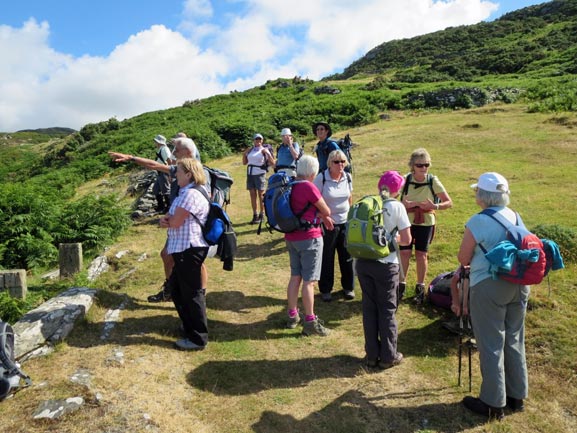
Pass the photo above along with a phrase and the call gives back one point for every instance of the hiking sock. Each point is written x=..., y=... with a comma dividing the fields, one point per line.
x=293, y=312
x=310, y=317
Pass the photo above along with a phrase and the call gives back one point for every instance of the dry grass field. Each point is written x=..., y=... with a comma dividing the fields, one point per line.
x=256, y=376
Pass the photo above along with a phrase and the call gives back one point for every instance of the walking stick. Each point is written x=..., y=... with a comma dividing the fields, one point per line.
x=464, y=321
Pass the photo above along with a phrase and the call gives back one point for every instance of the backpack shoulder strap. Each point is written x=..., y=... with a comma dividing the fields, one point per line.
x=503, y=222
x=299, y=214
x=430, y=179
x=408, y=179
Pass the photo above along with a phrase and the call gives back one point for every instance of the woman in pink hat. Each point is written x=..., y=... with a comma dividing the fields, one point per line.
x=379, y=280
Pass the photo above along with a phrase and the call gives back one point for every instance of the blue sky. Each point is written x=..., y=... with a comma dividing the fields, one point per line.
x=70, y=62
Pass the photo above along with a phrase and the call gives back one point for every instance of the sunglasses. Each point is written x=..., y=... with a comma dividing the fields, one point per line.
x=422, y=165
x=339, y=162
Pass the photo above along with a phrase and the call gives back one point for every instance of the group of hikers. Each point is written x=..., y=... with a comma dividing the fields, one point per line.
x=322, y=196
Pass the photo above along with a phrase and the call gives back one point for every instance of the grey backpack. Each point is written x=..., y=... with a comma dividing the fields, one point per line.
x=10, y=373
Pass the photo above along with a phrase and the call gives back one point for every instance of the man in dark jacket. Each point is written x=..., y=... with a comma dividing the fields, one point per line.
x=325, y=145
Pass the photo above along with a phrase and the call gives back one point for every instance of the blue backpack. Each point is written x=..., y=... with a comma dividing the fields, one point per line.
x=218, y=230
x=279, y=214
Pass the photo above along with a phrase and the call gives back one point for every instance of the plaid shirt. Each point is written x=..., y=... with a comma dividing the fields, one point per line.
x=190, y=232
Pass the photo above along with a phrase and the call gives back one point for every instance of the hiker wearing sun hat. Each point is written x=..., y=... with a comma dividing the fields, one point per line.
x=326, y=145
x=161, y=188
x=497, y=307
x=287, y=153
x=379, y=280
x=257, y=157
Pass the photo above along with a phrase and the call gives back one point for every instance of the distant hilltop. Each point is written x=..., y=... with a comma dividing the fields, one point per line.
x=51, y=131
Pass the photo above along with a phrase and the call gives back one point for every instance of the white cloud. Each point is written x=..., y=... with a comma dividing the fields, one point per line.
x=210, y=52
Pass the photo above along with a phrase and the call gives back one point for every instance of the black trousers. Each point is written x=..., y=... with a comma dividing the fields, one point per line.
x=379, y=283
x=188, y=295
x=334, y=241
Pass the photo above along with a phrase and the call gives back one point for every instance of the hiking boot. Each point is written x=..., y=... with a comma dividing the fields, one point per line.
x=419, y=294
x=386, y=365
x=255, y=219
x=402, y=288
x=515, y=404
x=372, y=363
x=293, y=322
x=186, y=344
x=349, y=295
x=162, y=296
x=326, y=297
x=315, y=327
x=479, y=407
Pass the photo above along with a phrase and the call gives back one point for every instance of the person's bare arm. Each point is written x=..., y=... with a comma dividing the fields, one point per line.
x=143, y=162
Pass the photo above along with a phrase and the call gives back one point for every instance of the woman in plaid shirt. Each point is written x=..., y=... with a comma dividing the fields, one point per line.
x=188, y=248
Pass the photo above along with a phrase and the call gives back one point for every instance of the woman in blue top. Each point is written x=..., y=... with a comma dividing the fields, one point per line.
x=287, y=154
x=497, y=307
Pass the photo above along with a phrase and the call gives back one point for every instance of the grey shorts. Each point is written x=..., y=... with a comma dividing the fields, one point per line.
x=256, y=181
x=306, y=258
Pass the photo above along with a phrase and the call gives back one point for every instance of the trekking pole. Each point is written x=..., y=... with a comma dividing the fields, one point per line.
x=464, y=320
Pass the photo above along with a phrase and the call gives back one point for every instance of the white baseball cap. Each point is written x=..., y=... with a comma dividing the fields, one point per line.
x=286, y=131
x=492, y=182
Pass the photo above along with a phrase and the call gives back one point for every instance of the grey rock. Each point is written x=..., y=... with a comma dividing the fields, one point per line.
x=54, y=409
x=52, y=321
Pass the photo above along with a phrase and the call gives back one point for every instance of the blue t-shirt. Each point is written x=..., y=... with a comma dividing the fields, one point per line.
x=284, y=157
x=324, y=148
x=488, y=232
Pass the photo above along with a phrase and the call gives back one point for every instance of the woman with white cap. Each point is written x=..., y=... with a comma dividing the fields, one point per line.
x=379, y=280
x=287, y=153
x=497, y=307
x=256, y=158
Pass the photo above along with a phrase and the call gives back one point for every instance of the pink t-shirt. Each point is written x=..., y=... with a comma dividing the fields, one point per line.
x=303, y=193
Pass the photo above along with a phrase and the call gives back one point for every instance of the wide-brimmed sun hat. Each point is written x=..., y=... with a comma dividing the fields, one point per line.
x=160, y=139
x=326, y=125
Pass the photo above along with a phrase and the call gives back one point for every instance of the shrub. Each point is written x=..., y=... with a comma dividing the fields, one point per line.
x=565, y=237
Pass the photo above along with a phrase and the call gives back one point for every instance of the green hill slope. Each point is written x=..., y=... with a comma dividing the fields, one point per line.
x=539, y=41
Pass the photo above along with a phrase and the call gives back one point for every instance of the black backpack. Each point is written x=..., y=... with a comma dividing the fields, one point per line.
x=345, y=145
x=428, y=182
x=10, y=373
x=220, y=183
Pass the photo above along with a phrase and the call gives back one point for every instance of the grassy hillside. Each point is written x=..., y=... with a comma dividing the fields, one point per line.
x=537, y=41
x=257, y=377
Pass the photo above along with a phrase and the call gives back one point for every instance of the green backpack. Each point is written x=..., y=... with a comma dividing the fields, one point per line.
x=366, y=236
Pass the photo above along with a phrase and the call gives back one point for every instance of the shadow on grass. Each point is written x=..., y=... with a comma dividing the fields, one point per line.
x=355, y=412
x=249, y=377
x=431, y=340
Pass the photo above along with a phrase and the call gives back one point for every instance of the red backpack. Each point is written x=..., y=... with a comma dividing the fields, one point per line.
x=519, y=259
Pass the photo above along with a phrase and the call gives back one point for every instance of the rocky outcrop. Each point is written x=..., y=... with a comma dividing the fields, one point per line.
x=52, y=321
